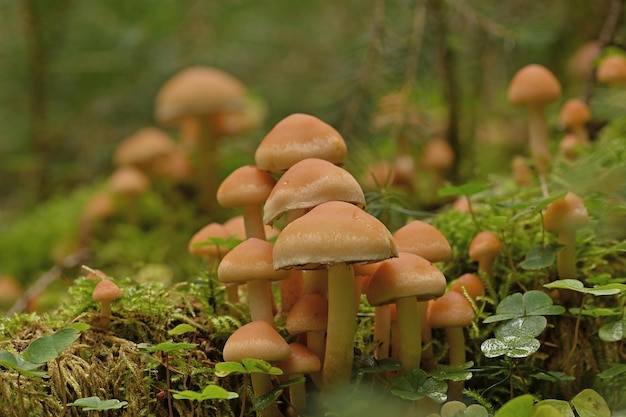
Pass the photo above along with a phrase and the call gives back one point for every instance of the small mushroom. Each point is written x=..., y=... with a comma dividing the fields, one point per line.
x=104, y=293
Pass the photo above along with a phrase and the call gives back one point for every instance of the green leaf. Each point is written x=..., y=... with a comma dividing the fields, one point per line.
x=613, y=331
x=415, y=385
x=539, y=257
x=19, y=364
x=588, y=403
x=563, y=408
x=79, y=327
x=382, y=365
x=617, y=369
x=593, y=311
x=166, y=346
x=476, y=410
x=531, y=303
x=210, y=392
x=517, y=407
x=453, y=372
x=260, y=366
x=265, y=400
x=223, y=369
x=453, y=409
x=465, y=189
x=553, y=376
x=531, y=326
x=96, y=404
x=49, y=347
x=546, y=410
x=511, y=346
x=181, y=329
x=576, y=285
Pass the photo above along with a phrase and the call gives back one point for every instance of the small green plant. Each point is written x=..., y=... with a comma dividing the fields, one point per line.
x=98, y=404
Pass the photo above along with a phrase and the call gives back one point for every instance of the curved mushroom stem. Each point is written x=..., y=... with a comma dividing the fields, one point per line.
x=261, y=385
x=409, y=327
x=456, y=356
x=566, y=257
x=539, y=149
x=253, y=222
x=341, y=327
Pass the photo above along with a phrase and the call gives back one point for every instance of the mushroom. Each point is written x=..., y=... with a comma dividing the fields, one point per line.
x=469, y=283
x=104, y=293
x=334, y=235
x=438, y=158
x=452, y=311
x=251, y=262
x=297, y=137
x=144, y=149
x=194, y=100
x=522, y=174
x=405, y=280
x=574, y=116
x=564, y=217
x=247, y=188
x=570, y=146
x=484, y=248
x=534, y=86
x=612, y=70
x=258, y=340
x=301, y=361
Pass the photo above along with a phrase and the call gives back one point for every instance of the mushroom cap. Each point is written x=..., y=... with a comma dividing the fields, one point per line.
x=423, y=239
x=612, y=70
x=143, y=147
x=533, y=84
x=308, y=314
x=106, y=291
x=408, y=275
x=309, y=183
x=331, y=233
x=198, y=91
x=574, y=112
x=450, y=310
x=301, y=361
x=437, y=155
x=248, y=261
x=566, y=214
x=245, y=186
x=257, y=340
x=472, y=284
x=297, y=137
x=129, y=181
x=209, y=250
x=485, y=245
x=570, y=145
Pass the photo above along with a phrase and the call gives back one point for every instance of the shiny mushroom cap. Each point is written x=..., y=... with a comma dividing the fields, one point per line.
x=250, y=260
x=297, y=137
x=485, y=245
x=308, y=314
x=143, y=147
x=566, y=214
x=612, y=70
x=408, y=275
x=309, y=183
x=301, y=361
x=423, y=239
x=257, y=340
x=450, y=310
x=472, y=284
x=200, y=243
x=332, y=233
x=245, y=186
x=106, y=291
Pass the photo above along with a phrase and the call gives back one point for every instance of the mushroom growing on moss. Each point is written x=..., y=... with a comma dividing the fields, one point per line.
x=564, y=217
x=534, y=86
x=105, y=292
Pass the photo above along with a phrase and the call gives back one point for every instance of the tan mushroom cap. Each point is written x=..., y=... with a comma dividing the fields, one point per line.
x=333, y=233
x=143, y=147
x=485, y=245
x=250, y=260
x=423, y=239
x=245, y=186
x=128, y=180
x=297, y=137
x=437, y=155
x=450, y=310
x=308, y=314
x=309, y=183
x=574, y=112
x=612, y=70
x=533, y=84
x=301, y=361
x=237, y=228
x=200, y=245
x=197, y=91
x=472, y=284
x=408, y=275
x=566, y=214
x=258, y=340
x=106, y=291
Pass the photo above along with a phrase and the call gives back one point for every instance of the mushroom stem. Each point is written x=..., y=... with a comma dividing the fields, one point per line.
x=566, y=257
x=341, y=326
x=428, y=355
x=253, y=222
x=297, y=397
x=206, y=165
x=539, y=149
x=315, y=281
x=409, y=327
x=382, y=330
x=259, y=292
x=456, y=356
x=105, y=314
x=261, y=385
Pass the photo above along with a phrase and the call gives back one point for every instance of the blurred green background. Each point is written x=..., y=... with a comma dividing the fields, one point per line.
x=77, y=77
